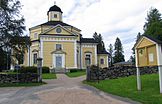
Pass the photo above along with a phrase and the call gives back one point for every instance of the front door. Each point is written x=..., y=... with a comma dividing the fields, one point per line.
x=58, y=61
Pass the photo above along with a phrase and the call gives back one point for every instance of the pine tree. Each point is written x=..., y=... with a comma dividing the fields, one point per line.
x=99, y=40
x=153, y=24
x=118, y=51
x=11, y=26
x=110, y=50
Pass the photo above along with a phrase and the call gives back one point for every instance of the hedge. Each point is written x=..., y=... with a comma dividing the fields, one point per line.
x=32, y=69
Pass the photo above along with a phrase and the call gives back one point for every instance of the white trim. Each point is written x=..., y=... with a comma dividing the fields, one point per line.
x=54, y=60
x=137, y=72
x=28, y=57
x=71, y=67
x=159, y=59
x=142, y=39
x=56, y=27
x=75, y=54
x=41, y=50
x=107, y=61
x=96, y=55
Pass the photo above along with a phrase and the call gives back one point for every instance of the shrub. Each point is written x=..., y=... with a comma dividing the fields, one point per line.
x=28, y=69
x=45, y=69
x=73, y=70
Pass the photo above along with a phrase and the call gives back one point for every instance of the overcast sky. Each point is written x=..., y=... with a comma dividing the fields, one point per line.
x=111, y=18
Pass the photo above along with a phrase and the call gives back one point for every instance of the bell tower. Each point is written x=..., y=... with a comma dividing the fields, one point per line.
x=54, y=13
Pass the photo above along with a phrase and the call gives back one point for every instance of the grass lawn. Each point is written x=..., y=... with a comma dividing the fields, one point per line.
x=49, y=76
x=76, y=74
x=126, y=87
x=20, y=84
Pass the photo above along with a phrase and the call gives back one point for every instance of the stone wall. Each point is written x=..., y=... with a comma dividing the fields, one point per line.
x=117, y=72
x=13, y=78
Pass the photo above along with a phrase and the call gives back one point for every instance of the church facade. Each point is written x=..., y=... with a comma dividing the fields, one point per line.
x=61, y=46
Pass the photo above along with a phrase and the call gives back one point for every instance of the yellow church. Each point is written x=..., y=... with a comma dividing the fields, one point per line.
x=61, y=46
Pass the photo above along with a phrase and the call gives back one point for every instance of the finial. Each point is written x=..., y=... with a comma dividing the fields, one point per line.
x=54, y=2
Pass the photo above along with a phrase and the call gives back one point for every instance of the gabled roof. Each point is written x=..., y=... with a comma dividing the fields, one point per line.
x=148, y=37
x=54, y=23
x=153, y=39
x=87, y=40
x=102, y=52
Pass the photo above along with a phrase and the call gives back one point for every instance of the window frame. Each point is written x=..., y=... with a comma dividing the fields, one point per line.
x=35, y=56
x=58, y=48
x=102, y=61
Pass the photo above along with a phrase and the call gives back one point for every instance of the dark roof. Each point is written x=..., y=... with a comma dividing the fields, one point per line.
x=102, y=52
x=55, y=8
x=54, y=23
x=153, y=39
x=149, y=37
x=87, y=40
x=58, y=34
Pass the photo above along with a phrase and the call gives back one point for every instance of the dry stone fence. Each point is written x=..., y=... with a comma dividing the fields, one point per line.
x=97, y=73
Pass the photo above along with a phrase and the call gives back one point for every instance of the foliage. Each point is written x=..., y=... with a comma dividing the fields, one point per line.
x=126, y=87
x=78, y=73
x=98, y=38
x=11, y=29
x=110, y=50
x=33, y=69
x=118, y=51
x=49, y=76
x=153, y=24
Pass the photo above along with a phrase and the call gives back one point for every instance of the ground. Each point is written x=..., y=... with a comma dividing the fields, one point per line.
x=63, y=90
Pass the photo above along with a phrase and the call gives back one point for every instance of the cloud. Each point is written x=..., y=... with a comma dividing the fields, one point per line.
x=111, y=18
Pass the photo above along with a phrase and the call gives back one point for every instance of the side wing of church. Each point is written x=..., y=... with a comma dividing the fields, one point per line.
x=61, y=46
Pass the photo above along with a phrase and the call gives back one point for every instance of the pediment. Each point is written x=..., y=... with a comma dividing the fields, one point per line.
x=58, y=30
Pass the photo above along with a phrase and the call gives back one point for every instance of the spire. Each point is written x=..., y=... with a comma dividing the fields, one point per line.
x=54, y=2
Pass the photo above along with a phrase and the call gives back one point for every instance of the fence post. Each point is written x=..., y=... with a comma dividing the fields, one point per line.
x=138, y=79
x=160, y=77
x=39, y=69
x=88, y=73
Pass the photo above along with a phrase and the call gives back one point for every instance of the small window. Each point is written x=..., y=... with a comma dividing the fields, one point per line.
x=102, y=61
x=35, y=35
x=35, y=58
x=88, y=59
x=58, y=47
x=55, y=15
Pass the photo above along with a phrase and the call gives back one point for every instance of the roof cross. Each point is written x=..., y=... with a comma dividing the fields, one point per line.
x=54, y=2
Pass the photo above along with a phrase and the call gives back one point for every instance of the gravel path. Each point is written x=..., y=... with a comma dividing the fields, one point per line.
x=63, y=90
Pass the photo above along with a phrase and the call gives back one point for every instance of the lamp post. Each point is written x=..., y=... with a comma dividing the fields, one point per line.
x=88, y=69
x=39, y=69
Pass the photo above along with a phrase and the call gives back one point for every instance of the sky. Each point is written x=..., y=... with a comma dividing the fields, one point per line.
x=110, y=18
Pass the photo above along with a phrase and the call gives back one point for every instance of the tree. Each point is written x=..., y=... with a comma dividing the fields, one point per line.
x=110, y=50
x=118, y=51
x=153, y=24
x=138, y=36
x=11, y=26
x=99, y=40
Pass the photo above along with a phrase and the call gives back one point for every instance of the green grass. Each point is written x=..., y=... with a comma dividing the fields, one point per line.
x=76, y=74
x=20, y=84
x=48, y=76
x=126, y=87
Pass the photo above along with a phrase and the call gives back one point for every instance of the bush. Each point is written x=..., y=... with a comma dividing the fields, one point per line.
x=45, y=69
x=28, y=69
x=73, y=70
x=32, y=69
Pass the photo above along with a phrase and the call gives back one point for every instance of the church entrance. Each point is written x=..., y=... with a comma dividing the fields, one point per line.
x=58, y=61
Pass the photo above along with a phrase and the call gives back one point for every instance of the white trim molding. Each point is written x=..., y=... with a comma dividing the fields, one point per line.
x=159, y=59
x=54, y=60
x=75, y=53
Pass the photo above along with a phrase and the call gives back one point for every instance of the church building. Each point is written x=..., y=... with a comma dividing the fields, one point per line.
x=61, y=46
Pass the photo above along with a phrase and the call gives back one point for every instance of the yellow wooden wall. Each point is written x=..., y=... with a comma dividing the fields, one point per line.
x=146, y=50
